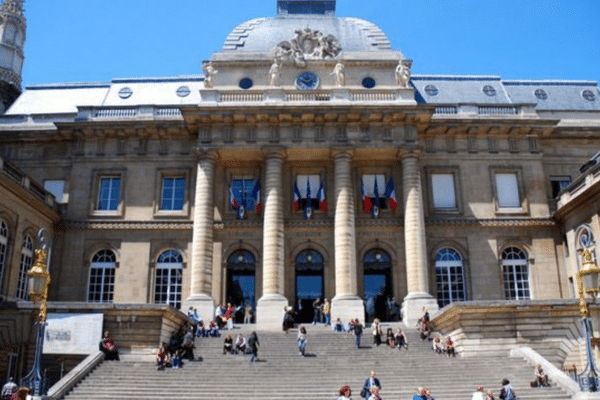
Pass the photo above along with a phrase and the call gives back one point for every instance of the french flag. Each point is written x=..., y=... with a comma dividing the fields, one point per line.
x=366, y=201
x=256, y=196
x=297, y=196
x=321, y=197
x=390, y=193
x=233, y=201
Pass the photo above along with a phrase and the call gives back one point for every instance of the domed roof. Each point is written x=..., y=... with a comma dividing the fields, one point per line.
x=263, y=35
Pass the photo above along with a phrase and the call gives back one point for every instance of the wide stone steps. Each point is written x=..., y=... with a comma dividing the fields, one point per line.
x=333, y=360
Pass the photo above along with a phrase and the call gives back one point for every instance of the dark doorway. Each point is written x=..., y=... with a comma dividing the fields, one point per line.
x=377, y=287
x=241, y=282
x=309, y=283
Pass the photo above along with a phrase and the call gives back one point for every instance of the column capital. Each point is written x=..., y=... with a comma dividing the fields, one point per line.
x=342, y=152
x=274, y=152
x=409, y=152
x=204, y=153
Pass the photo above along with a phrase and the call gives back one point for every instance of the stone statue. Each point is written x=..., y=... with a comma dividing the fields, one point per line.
x=274, y=73
x=308, y=44
x=209, y=74
x=339, y=72
x=403, y=73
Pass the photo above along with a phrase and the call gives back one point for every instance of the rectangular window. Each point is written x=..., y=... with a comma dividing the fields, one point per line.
x=23, y=282
x=516, y=282
x=308, y=185
x=241, y=188
x=57, y=188
x=173, y=194
x=507, y=190
x=101, y=286
x=374, y=188
x=559, y=183
x=108, y=194
x=444, y=194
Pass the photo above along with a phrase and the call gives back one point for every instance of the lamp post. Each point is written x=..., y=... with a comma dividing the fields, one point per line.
x=587, y=283
x=39, y=280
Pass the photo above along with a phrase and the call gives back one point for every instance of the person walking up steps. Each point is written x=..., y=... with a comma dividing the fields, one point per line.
x=301, y=341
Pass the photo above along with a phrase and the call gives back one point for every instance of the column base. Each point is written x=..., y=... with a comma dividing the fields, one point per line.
x=270, y=311
x=203, y=303
x=412, y=307
x=347, y=307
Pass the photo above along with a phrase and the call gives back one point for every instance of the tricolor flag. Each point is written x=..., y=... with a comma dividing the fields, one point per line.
x=256, y=196
x=308, y=205
x=375, y=209
x=321, y=197
x=232, y=200
x=390, y=193
x=297, y=196
x=366, y=200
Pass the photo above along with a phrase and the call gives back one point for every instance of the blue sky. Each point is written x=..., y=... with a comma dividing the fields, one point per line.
x=98, y=40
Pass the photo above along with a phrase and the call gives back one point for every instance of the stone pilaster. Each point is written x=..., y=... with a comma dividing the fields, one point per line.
x=202, y=237
x=346, y=304
x=414, y=242
x=269, y=310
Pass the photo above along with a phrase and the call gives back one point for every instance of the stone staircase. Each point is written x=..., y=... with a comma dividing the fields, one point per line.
x=332, y=361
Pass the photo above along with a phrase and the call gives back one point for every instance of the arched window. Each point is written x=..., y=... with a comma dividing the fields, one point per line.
x=167, y=286
x=241, y=278
x=25, y=265
x=516, y=274
x=449, y=276
x=3, y=250
x=101, y=286
x=377, y=284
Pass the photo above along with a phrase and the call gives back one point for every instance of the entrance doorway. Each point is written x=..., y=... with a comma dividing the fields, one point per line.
x=377, y=287
x=241, y=282
x=309, y=283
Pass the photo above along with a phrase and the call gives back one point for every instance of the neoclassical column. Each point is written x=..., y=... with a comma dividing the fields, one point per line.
x=346, y=304
x=269, y=310
x=414, y=241
x=202, y=236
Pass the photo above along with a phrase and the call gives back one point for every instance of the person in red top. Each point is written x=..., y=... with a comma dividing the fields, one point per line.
x=228, y=316
x=109, y=348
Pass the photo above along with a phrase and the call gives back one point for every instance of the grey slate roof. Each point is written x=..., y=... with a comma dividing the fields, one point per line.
x=560, y=95
x=262, y=35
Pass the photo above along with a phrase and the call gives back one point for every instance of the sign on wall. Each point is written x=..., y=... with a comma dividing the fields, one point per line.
x=72, y=333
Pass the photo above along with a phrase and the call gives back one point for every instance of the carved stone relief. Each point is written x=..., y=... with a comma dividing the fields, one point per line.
x=308, y=44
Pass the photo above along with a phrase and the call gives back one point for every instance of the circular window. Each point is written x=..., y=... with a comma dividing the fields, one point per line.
x=431, y=90
x=489, y=90
x=588, y=95
x=246, y=83
x=541, y=94
x=125, y=93
x=183, y=91
x=368, y=83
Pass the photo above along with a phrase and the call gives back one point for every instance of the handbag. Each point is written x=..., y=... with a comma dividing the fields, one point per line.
x=363, y=393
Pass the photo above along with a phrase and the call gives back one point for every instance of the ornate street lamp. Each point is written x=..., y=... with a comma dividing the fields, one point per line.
x=587, y=283
x=39, y=279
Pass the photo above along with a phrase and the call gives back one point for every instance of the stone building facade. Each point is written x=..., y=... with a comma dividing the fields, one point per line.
x=306, y=162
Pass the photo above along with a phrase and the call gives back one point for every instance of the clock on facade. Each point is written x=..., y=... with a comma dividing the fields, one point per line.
x=307, y=81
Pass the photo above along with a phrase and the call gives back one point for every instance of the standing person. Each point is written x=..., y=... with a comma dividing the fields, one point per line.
x=109, y=348
x=327, y=312
x=301, y=341
x=345, y=393
x=288, y=319
x=357, y=328
x=376, y=330
x=507, y=392
x=188, y=345
x=370, y=382
x=316, y=311
x=247, y=314
x=253, y=346
x=228, y=316
x=9, y=389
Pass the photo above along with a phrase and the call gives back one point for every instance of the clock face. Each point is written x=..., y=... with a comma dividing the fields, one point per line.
x=307, y=81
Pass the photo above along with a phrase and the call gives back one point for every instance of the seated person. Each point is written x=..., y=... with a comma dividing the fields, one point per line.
x=400, y=339
x=228, y=345
x=450, y=347
x=240, y=344
x=162, y=357
x=541, y=378
x=213, y=330
x=389, y=336
x=438, y=346
x=337, y=326
x=109, y=348
x=176, y=361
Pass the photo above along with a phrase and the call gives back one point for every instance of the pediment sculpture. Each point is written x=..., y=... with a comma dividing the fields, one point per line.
x=308, y=44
